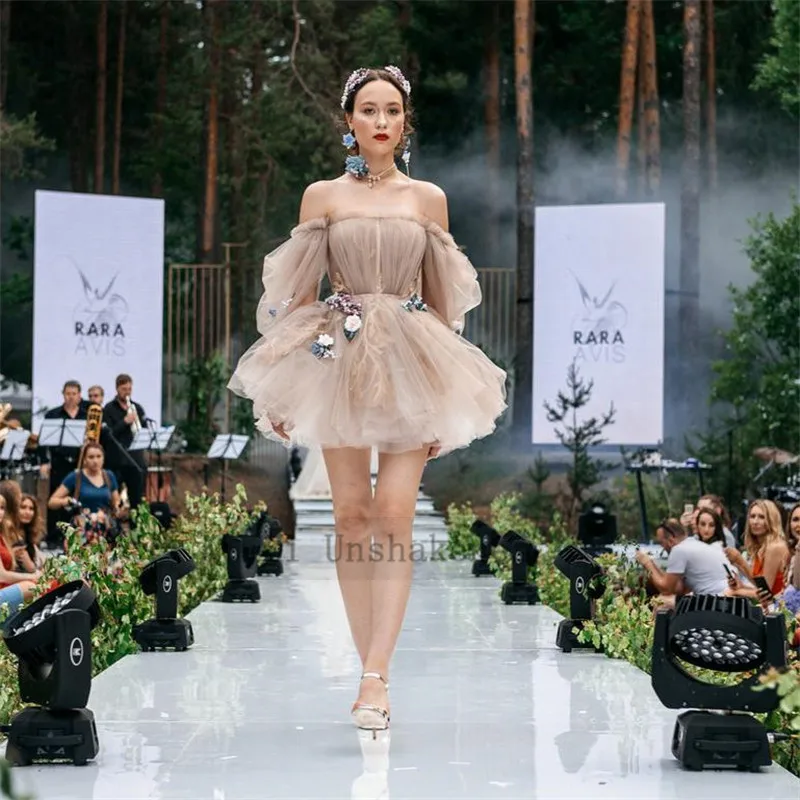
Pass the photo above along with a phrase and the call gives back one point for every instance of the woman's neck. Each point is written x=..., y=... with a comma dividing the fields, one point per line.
x=92, y=473
x=379, y=163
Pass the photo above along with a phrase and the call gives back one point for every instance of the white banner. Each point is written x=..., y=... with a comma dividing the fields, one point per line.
x=98, y=296
x=599, y=300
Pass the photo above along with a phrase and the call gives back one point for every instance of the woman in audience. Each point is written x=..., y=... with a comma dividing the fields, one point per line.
x=16, y=588
x=767, y=549
x=709, y=527
x=93, y=491
x=31, y=522
x=715, y=504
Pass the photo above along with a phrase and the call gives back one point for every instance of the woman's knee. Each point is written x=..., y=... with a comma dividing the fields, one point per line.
x=352, y=519
x=27, y=588
x=389, y=514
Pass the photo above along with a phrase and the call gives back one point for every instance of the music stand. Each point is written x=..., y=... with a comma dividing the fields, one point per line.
x=157, y=440
x=227, y=446
x=62, y=433
x=13, y=449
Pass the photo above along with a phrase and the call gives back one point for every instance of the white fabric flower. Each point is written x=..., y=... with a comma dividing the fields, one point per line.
x=352, y=323
x=326, y=340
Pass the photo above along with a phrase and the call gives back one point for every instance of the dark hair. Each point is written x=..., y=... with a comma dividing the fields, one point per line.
x=790, y=540
x=71, y=385
x=719, y=530
x=381, y=75
x=122, y=379
x=673, y=527
x=719, y=504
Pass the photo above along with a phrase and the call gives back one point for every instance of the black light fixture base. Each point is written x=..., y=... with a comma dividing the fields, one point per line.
x=42, y=735
x=702, y=740
x=567, y=638
x=245, y=591
x=480, y=567
x=164, y=634
x=519, y=593
x=270, y=566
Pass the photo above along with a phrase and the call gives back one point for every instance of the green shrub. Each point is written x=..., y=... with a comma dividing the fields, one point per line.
x=461, y=541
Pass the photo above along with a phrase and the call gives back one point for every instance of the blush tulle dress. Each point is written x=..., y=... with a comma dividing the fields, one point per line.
x=381, y=362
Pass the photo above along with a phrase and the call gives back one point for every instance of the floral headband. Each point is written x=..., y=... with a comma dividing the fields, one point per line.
x=358, y=75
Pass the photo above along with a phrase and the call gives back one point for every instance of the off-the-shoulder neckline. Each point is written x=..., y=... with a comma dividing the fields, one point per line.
x=327, y=221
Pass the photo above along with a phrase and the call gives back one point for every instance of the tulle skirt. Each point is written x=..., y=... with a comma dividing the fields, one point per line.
x=404, y=381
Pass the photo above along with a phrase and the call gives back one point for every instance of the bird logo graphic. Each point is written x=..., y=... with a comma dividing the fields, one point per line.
x=599, y=313
x=100, y=305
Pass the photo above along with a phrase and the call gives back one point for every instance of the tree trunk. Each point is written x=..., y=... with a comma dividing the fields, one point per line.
x=118, y=104
x=161, y=98
x=690, y=175
x=523, y=367
x=491, y=112
x=100, y=101
x=5, y=30
x=208, y=240
x=652, y=124
x=711, y=95
x=78, y=102
x=626, y=95
x=641, y=130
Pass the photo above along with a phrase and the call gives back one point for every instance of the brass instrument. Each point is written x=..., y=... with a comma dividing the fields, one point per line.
x=94, y=424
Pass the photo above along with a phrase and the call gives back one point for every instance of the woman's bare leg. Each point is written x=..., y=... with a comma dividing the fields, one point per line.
x=393, y=509
x=349, y=476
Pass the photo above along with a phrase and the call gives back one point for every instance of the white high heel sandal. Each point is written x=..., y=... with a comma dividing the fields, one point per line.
x=369, y=717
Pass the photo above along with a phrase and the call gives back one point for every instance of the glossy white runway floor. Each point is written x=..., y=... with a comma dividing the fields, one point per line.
x=483, y=706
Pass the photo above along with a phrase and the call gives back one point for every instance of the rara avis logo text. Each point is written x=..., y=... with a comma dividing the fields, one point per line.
x=597, y=329
x=98, y=318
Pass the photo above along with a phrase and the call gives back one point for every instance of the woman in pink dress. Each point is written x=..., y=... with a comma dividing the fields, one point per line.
x=380, y=363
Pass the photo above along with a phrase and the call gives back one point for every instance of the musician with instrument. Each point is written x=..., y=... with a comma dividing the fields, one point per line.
x=58, y=462
x=125, y=418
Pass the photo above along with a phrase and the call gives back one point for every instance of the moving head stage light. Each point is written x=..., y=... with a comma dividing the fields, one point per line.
x=52, y=640
x=524, y=554
x=726, y=634
x=586, y=584
x=597, y=529
x=242, y=552
x=272, y=531
x=160, y=578
x=489, y=539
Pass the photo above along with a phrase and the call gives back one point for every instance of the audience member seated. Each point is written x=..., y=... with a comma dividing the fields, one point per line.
x=766, y=547
x=692, y=566
x=30, y=558
x=94, y=494
x=715, y=504
x=16, y=588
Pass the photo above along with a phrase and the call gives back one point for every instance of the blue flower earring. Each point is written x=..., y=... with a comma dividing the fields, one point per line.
x=355, y=165
x=406, y=157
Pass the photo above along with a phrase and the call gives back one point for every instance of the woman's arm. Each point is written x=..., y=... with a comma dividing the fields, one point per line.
x=739, y=561
x=59, y=499
x=774, y=561
x=10, y=576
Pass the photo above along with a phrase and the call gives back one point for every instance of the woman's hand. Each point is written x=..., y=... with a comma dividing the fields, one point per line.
x=279, y=429
x=734, y=556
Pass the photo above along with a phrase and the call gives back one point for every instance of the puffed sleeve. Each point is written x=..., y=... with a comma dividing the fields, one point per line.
x=292, y=273
x=449, y=281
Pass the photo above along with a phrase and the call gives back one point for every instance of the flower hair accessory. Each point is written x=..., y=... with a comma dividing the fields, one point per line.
x=357, y=76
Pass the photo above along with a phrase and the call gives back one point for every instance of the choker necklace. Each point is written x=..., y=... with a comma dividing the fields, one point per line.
x=357, y=167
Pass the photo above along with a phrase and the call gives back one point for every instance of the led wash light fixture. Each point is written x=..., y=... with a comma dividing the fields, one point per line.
x=52, y=640
x=723, y=634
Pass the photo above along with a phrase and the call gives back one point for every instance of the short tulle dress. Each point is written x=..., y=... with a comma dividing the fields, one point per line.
x=380, y=362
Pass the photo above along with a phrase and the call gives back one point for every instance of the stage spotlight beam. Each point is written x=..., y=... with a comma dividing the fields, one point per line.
x=586, y=584
x=489, y=539
x=52, y=641
x=160, y=578
x=725, y=634
x=524, y=554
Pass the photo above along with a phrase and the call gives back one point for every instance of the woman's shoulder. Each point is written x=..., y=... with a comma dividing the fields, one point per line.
x=431, y=201
x=776, y=547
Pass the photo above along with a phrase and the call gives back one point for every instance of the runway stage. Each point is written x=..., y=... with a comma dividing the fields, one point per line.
x=483, y=706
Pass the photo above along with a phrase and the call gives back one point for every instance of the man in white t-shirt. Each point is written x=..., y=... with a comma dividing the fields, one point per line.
x=692, y=565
